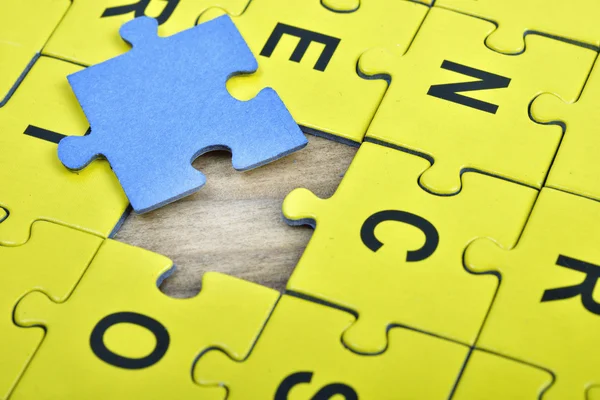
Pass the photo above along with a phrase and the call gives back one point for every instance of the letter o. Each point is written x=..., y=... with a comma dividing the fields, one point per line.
x=106, y=355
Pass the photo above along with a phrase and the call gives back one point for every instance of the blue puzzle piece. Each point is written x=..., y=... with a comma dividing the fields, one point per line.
x=156, y=108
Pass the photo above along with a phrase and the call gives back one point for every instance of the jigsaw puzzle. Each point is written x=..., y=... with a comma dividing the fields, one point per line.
x=381, y=240
x=24, y=28
x=151, y=144
x=466, y=107
x=299, y=356
x=545, y=312
x=490, y=376
x=129, y=339
x=89, y=33
x=35, y=185
x=458, y=258
x=576, y=167
x=52, y=261
x=575, y=21
x=308, y=54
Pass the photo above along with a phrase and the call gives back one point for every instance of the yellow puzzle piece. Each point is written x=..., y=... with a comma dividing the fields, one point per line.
x=466, y=107
x=392, y=252
x=119, y=337
x=52, y=261
x=492, y=377
x=35, y=185
x=576, y=168
x=546, y=312
x=24, y=28
x=89, y=33
x=308, y=54
x=299, y=356
x=575, y=20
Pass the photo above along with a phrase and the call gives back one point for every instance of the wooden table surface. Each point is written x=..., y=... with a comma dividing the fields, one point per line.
x=234, y=224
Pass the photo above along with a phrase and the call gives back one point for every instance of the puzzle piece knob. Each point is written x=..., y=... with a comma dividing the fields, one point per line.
x=139, y=30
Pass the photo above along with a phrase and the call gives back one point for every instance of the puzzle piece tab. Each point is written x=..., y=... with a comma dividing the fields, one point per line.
x=308, y=53
x=34, y=183
x=156, y=108
x=576, y=167
x=489, y=376
x=381, y=240
x=572, y=20
x=52, y=261
x=24, y=28
x=465, y=106
x=546, y=312
x=299, y=356
x=89, y=35
x=126, y=339
x=353, y=5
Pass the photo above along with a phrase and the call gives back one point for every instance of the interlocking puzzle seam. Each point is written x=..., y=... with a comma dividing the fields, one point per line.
x=18, y=81
x=432, y=161
x=527, y=32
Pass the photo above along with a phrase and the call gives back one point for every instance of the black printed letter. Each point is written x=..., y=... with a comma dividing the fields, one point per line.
x=584, y=289
x=487, y=80
x=140, y=10
x=326, y=392
x=306, y=37
x=106, y=355
x=43, y=134
x=367, y=232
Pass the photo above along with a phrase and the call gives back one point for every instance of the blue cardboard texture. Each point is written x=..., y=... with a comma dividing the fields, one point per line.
x=156, y=108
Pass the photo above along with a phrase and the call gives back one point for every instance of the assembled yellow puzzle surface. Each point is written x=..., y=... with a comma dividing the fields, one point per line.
x=546, y=312
x=89, y=32
x=490, y=376
x=35, y=185
x=575, y=20
x=299, y=355
x=128, y=340
x=576, y=168
x=465, y=106
x=382, y=240
x=24, y=28
x=308, y=54
x=52, y=261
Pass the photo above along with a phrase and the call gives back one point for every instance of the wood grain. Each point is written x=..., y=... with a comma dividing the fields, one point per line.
x=234, y=224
